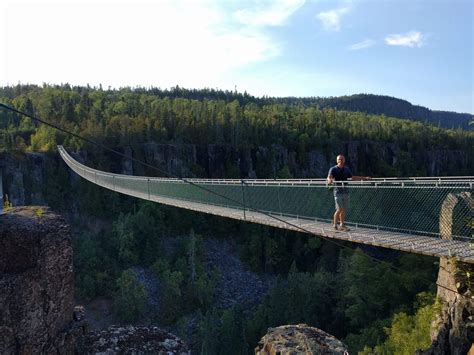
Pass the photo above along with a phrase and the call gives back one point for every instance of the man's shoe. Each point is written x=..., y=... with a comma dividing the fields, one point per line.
x=345, y=228
x=335, y=227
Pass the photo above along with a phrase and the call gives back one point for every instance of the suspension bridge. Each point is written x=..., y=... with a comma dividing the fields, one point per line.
x=430, y=216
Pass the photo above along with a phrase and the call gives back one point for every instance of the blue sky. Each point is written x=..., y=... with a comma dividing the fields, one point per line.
x=421, y=51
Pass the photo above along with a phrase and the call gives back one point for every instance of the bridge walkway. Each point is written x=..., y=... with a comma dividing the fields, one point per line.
x=420, y=215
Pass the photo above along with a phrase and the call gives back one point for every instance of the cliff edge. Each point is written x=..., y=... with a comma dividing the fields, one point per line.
x=36, y=283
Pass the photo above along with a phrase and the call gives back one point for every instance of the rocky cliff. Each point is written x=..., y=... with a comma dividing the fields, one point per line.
x=36, y=283
x=37, y=313
x=452, y=332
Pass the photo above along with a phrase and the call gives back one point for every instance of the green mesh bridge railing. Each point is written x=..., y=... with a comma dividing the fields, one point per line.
x=432, y=216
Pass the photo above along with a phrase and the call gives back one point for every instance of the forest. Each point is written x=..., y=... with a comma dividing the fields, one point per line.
x=376, y=307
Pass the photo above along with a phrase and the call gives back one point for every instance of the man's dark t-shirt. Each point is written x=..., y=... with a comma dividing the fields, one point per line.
x=340, y=174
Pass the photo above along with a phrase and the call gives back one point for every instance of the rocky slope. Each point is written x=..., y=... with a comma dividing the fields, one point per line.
x=236, y=285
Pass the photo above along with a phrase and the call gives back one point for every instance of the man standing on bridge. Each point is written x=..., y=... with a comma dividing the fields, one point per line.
x=337, y=173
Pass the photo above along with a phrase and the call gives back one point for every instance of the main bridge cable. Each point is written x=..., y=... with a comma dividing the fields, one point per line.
x=341, y=245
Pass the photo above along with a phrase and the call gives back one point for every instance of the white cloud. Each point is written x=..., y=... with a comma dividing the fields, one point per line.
x=159, y=43
x=361, y=45
x=268, y=13
x=331, y=20
x=410, y=39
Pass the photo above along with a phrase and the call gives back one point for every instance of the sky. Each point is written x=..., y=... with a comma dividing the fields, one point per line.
x=417, y=50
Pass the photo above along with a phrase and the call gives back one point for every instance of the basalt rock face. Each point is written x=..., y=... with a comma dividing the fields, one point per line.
x=132, y=340
x=299, y=339
x=36, y=284
x=23, y=176
x=453, y=329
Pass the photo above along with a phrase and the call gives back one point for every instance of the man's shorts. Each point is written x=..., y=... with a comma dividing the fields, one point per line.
x=342, y=200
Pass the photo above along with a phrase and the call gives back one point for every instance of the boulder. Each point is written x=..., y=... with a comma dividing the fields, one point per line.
x=299, y=339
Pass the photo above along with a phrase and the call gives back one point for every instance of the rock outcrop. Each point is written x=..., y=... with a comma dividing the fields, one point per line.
x=299, y=339
x=453, y=330
x=37, y=312
x=132, y=340
x=36, y=283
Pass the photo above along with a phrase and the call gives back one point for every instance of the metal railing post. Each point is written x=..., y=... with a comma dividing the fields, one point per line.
x=279, y=201
x=148, y=185
x=243, y=197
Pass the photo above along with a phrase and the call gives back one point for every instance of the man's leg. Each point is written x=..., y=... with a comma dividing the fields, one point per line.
x=337, y=216
x=345, y=204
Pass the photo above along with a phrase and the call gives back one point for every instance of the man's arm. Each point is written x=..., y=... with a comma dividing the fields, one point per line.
x=330, y=178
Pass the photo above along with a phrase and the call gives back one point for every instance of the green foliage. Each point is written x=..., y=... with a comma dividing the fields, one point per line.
x=208, y=330
x=366, y=285
x=314, y=243
x=184, y=283
x=134, y=116
x=130, y=300
x=232, y=331
x=44, y=139
x=365, y=289
x=39, y=212
x=409, y=333
x=94, y=271
x=204, y=288
x=253, y=253
x=302, y=298
x=222, y=333
x=170, y=296
x=284, y=173
x=368, y=336
x=126, y=242
x=7, y=205
x=138, y=235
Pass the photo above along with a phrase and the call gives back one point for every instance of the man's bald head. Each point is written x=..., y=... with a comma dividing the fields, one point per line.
x=341, y=160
